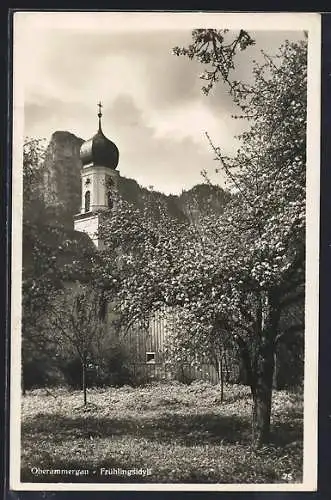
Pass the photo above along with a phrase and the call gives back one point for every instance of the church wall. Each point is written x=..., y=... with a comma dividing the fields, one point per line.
x=90, y=226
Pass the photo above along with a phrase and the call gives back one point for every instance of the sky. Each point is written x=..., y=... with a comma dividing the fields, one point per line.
x=153, y=107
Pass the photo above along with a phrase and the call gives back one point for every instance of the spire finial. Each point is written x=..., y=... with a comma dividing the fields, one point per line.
x=99, y=114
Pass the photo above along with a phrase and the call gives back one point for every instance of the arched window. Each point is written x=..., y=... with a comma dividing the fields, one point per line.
x=109, y=199
x=87, y=201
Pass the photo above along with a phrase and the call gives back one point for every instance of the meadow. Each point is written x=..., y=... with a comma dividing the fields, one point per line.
x=180, y=433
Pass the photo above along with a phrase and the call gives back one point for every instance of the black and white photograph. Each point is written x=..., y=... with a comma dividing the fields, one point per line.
x=165, y=251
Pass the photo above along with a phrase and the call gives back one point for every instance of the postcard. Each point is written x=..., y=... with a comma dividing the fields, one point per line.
x=165, y=251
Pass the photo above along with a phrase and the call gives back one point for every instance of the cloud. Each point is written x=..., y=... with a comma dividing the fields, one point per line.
x=153, y=106
x=170, y=163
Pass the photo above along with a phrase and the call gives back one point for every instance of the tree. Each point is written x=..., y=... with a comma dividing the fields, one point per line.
x=216, y=49
x=77, y=326
x=195, y=341
x=263, y=230
x=51, y=256
x=235, y=272
x=40, y=277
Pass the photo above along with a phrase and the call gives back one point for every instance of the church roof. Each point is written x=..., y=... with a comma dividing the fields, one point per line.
x=99, y=150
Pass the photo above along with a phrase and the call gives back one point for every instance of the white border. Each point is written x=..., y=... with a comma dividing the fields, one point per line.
x=310, y=22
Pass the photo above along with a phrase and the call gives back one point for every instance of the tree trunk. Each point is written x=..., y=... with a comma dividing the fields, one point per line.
x=221, y=376
x=84, y=380
x=263, y=368
x=261, y=412
x=226, y=367
x=262, y=391
x=275, y=374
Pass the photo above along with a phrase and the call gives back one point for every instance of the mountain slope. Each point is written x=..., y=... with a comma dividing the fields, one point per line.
x=62, y=186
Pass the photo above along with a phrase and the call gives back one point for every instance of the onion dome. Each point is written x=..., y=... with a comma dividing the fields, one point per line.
x=99, y=150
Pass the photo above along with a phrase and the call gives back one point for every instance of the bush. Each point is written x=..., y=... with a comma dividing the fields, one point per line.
x=183, y=375
x=72, y=372
x=40, y=372
x=110, y=368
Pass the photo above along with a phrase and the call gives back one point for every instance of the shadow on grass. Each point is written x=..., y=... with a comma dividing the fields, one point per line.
x=286, y=434
x=289, y=430
x=168, y=428
x=189, y=430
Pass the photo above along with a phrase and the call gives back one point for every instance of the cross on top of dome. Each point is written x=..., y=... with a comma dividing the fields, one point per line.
x=100, y=113
x=99, y=150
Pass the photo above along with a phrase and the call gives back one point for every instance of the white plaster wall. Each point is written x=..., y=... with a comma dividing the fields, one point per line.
x=97, y=186
x=90, y=226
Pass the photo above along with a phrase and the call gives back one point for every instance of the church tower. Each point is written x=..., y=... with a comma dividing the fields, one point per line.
x=99, y=177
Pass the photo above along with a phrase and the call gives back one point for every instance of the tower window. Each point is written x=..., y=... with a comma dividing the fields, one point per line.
x=87, y=201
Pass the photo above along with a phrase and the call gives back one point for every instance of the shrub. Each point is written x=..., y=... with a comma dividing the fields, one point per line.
x=40, y=372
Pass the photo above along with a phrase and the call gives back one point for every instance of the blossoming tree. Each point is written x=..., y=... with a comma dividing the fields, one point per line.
x=235, y=274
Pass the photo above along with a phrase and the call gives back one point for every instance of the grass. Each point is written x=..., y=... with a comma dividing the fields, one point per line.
x=181, y=433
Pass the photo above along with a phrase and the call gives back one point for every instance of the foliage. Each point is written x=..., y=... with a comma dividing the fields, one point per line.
x=40, y=278
x=48, y=253
x=217, y=49
x=263, y=229
x=111, y=363
x=261, y=253
x=233, y=274
x=40, y=370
